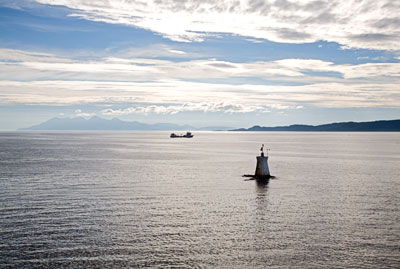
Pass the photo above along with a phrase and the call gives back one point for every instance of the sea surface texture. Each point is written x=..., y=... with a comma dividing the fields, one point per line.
x=141, y=199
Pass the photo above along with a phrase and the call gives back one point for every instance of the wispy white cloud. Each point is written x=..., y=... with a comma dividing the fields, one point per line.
x=355, y=24
x=23, y=65
x=155, y=51
x=254, y=40
x=13, y=55
x=35, y=78
x=176, y=51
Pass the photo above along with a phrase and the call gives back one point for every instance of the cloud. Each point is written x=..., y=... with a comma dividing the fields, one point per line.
x=13, y=55
x=366, y=24
x=187, y=107
x=254, y=40
x=24, y=65
x=176, y=51
x=355, y=94
x=154, y=51
x=79, y=113
x=37, y=78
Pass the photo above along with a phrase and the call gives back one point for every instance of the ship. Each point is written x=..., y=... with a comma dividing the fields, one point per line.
x=187, y=135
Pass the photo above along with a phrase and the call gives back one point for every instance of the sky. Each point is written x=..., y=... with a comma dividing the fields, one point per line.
x=199, y=62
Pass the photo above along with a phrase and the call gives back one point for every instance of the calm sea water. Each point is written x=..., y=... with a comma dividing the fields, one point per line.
x=141, y=199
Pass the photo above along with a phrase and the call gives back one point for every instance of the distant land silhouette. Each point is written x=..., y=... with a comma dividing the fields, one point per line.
x=369, y=126
x=97, y=123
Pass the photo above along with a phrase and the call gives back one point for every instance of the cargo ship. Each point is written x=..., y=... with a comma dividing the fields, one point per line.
x=187, y=135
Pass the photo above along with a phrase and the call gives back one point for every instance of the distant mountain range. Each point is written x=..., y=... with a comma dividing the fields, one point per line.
x=97, y=123
x=370, y=126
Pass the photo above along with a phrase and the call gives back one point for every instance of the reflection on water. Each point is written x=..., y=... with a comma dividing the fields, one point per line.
x=262, y=186
x=103, y=200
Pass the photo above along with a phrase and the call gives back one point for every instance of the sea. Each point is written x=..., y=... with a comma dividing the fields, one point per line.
x=142, y=199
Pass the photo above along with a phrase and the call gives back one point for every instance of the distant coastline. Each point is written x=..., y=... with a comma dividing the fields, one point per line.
x=99, y=124
x=369, y=126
